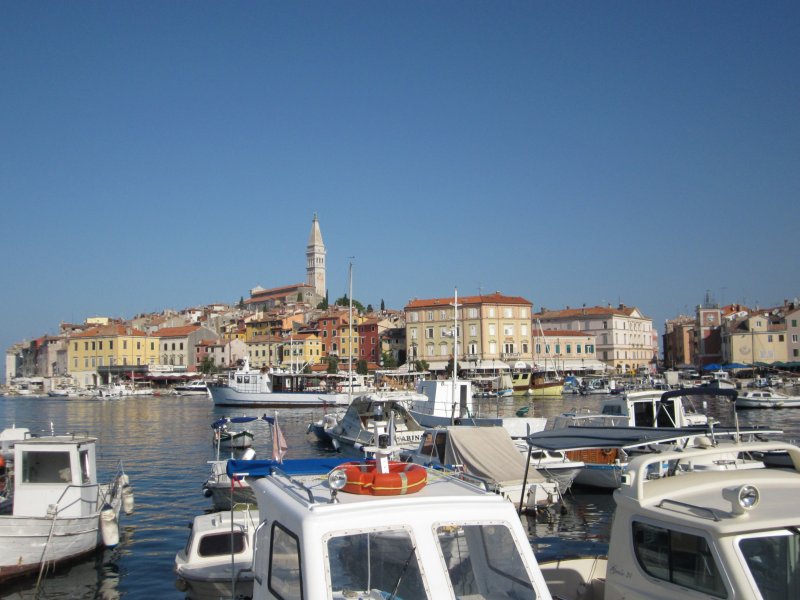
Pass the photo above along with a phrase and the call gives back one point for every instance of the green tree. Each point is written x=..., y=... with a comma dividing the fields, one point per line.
x=421, y=365
x=207, y=366
x=241, y=302
x=333, y=364
x=361, y=367
x=383, y=305
x=388, y=361
x=345, y=301
x=369, y=308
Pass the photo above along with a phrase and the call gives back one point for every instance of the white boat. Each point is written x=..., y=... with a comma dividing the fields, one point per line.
x=252, y=387
x=60, y=510
x=196, y=387
x=681, y=532
x=371, y=415
x=767, y=398
x=488, y=457
x=216, y=561
x=339, y=536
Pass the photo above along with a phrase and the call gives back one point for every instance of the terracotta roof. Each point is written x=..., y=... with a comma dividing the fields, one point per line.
x=496, y=298
x=111, y=330
x=593, y=311
x=563, y=333
x=279, y=291
x=176, y=331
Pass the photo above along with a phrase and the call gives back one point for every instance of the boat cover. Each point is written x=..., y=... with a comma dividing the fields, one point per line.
x=488, y=453
x=297, y=466
x=578, y=438
x=223, y=422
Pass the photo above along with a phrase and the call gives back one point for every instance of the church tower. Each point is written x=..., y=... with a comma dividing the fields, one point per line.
x=315, y=260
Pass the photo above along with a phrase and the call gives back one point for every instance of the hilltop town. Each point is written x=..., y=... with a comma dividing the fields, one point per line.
x=295, y=327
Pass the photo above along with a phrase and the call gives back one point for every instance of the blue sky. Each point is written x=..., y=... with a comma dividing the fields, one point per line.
x=169, y=154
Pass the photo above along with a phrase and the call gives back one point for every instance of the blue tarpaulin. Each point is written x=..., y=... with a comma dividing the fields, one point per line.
x=298, y=466
x=712, y=367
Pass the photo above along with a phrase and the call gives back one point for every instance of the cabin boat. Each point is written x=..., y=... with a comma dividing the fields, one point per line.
x=326, y=537
x=372, y=415
x=437, y=406
x=488, y=457
x=767, y=398
x=276, y=387
x=216, y=561
x=60, y=510
x=632, y=424
x=195, y=387
x=527, y=383
x=680, y=532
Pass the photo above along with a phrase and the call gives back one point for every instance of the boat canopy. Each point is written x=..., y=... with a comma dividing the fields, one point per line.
x=224, y=421
x=297, y=466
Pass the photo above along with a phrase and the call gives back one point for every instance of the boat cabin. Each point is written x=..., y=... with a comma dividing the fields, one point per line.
x=447, y=540
x=55, y=470
x=653, y=408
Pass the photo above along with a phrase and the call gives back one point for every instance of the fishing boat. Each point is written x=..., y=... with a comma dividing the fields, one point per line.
x=537, y=385
x=767, y=398
x=380, y=529
x=60, y=510
x=683, y=532
x=216, y=561
x=275, y=387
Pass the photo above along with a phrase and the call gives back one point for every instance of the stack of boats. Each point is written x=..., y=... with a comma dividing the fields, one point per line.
x=56, y=509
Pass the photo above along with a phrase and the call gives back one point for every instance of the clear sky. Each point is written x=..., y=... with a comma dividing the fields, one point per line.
x=170, y=154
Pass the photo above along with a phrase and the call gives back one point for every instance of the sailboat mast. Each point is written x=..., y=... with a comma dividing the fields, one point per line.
x=350, y=332
x=455, y=352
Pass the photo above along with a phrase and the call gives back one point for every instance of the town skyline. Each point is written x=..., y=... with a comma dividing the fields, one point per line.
x=156, y=157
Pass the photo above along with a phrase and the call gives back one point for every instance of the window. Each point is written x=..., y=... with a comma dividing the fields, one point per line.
x=443, y=350
x=569, y=348
x=493, y=547
x=429, y=333
x=769, y=339
x=491, y=311
x=219, y=544
x=508, y=348
x=680, y=558
x=492, y=329
x=772, y=560
x=473, y=330
x=430, y=315
x=524, y=347
x=472, y=313
x=46, y=467
x=429, y=350
x=508, y=312
x=384, y=560
x=442, y=315
x=472, y=348
x=492, y=347
x=285, y=578
x=508, y=329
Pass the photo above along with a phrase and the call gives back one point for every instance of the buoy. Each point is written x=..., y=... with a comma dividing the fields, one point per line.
x=109, y=527
x=402, y=478
x=127, y=499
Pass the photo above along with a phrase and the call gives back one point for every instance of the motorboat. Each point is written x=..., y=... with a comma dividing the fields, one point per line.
x=247, y=386
x=683, y=532
x=766, y=398
x=488, y=457
x=632, y=424
x=223, y=492
x=371, y=415
x=60, y=510
x=536, y=384
x=339, y=530
x=553, y=465
x=438, y=406
x=216, y=561
x=195, y=387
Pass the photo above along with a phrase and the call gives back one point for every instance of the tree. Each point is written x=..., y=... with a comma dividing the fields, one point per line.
x=345, y=301
x=241, y=302
x=369, y=308
x=207, y=366
x=421, y=365
x=383, y=305
x=388, y=361
x=361, y=367
x=333, y=364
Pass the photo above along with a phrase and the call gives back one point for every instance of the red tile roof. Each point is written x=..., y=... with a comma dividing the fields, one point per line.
x=496, y=298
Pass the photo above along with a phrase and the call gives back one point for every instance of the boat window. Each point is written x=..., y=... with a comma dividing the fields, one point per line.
x=483, y=561
x=219, y=544
x=643, y=414
x=426, y=448
x=85, y=466
x=46, y=467
x=774, y=563
x=285, y=577
x=385, y=561
x=680, y=558
x=612, y=409
x=666, y=414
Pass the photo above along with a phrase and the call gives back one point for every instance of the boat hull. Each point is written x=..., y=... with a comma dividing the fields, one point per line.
x=227, y=396
x=24, y=542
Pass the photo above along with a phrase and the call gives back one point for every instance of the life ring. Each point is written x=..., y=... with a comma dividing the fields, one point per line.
x=402, y=478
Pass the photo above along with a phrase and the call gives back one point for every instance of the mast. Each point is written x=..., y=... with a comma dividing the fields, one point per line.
x=350, y=333
x=455, y=354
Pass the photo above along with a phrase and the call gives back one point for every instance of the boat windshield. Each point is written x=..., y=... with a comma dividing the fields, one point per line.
x=774, y=562
x=383, y=561
x=484, y=562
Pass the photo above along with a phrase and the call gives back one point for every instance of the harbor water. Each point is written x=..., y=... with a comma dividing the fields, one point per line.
x=165, y=442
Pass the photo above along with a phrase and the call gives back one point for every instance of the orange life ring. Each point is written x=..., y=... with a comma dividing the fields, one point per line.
x=402, y=478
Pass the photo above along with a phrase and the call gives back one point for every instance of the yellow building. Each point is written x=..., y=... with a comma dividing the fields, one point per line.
x=97, y=354
x=264, y=351
x=300, y=350
x=756, y=338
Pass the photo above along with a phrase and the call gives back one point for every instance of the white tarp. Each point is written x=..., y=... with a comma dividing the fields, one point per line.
x=489, y=453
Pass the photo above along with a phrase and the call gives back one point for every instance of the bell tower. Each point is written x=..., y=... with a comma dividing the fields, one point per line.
x=315, y=259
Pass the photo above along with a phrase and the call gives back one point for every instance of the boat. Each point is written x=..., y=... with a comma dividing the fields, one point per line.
x=227, y=439
x=223, y=492
x=195, y=387
x=351, y=530
x=633, y=424
x=371, y=415
x=275, y=387
x=60, y=510
x=538, y=385
x=216, y=561
x=488, y=457
x=767, y=398
x=680, y=532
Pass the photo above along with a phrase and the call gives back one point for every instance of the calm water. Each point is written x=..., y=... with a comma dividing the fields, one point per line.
x=164, y=443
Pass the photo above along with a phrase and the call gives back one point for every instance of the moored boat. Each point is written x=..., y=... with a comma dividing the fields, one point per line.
x=253, y=387
x=766, y=398
x=60, y=510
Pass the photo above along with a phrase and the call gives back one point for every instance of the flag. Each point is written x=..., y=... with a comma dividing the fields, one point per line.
x=279, y=446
